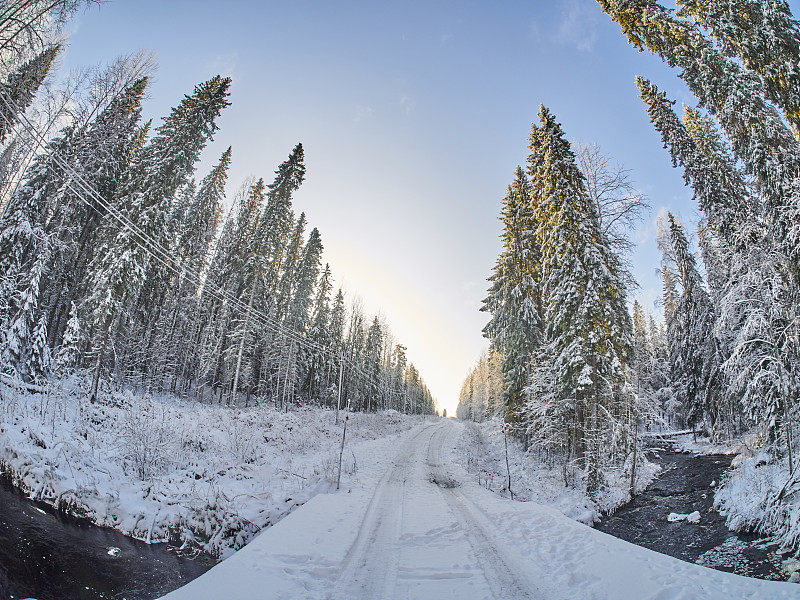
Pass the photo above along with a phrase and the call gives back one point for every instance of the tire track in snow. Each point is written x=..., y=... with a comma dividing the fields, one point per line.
x=507, y=577
x=369, y=570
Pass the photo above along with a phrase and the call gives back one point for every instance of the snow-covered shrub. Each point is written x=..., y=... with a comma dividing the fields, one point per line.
x=536, y=477
x=145, y=439
x=160, y=468
x=758, y=495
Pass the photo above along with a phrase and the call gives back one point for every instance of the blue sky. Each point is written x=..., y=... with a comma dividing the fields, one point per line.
x=413, y=116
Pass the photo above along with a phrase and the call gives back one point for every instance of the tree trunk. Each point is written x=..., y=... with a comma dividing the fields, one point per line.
x=241, y=343
x=99, y=363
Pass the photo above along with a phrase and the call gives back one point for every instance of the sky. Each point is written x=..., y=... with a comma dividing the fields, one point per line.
x=413, y=116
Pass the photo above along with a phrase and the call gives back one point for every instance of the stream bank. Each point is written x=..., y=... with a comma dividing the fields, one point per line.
x=48, y=556
x=687, y=484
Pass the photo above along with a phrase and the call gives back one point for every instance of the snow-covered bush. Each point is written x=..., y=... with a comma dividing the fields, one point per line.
x=758, y=494
x=537, y=478
x=145, y=440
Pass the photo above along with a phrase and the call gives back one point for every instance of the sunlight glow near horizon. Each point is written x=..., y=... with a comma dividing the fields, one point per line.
x=413, y=116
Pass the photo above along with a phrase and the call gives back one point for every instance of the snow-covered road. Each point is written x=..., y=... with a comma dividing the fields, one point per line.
x=413, y=524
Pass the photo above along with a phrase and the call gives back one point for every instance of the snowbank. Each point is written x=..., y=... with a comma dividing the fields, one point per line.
x=159, y=468
x=480, y=450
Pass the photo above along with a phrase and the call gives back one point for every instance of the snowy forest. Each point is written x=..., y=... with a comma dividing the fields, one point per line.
x=119, y=262
x=179, y=363
x=580, y=371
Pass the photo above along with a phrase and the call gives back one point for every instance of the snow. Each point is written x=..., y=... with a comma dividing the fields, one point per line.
x=481, y=451
x=692, y=517
x=410, y=521
x=413, y=523
x=157, y=467
x=746, y=495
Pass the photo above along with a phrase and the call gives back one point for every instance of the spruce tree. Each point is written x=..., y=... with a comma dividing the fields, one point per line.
x=19, y=89
x=307, y=272
x=720, y=189
x=764, y=36
x=736, y=97
x=514, y=300
x=289, y=268
x=700, y=359
x=277, y=218
x=319, y=356
x=372, y=363
x=69, y=350
x=588, y=324
x=144, y=198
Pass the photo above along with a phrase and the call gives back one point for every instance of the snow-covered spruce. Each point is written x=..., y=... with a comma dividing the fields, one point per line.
x=159, y=468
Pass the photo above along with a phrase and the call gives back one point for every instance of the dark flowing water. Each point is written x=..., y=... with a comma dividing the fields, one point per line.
x=49, y=557
x=686, y=486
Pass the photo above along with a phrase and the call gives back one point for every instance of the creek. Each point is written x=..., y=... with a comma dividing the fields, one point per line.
x=687, y=484
x=48, y=556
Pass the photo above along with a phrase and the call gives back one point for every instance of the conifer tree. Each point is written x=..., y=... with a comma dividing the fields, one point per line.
x=720, y=189
x=27, y=25
x=203, y=216
x=320, y=336
x=101, y=152
x=157, y=172
x=641, y=349
x=291, y=260
x=588, y=325
x=39, y=356
x=19, y=89
x=372, y=362
x=514, y=299
x=764, y=36
x=69, y=350
x=736, y=97
x=699, y=377
x=277, y=219
x=306, y=274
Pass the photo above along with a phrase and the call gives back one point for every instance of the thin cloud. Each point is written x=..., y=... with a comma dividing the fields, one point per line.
x=578, y=25
x=225, y=64
x=407, y=103
x=535, y=31
x=363, y=113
